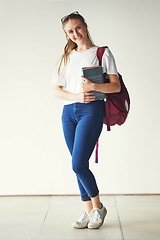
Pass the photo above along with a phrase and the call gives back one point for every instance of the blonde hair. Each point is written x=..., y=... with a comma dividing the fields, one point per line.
x=70, y=45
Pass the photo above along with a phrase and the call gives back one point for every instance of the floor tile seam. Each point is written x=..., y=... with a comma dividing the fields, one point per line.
x=44, y=219
x=138, y=204
x=119, y=221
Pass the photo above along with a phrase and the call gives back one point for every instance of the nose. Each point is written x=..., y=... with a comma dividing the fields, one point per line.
x=75, y=33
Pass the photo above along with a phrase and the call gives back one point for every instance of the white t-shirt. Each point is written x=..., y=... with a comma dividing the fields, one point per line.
x=71, y=80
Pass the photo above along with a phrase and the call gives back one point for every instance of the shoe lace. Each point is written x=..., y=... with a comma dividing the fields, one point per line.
x=82, y=217
x=95, y=217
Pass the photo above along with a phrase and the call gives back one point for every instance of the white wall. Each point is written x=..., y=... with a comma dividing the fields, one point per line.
x=33, y=156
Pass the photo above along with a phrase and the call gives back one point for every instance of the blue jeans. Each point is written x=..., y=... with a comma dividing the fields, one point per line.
x=82, y=126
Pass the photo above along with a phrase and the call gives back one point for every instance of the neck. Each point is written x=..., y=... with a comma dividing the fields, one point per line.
x=81, y=48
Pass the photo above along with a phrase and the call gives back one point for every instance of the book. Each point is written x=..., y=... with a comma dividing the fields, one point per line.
x=95, y=75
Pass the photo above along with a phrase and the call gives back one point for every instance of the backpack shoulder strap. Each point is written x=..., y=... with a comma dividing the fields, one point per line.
x=100, y=52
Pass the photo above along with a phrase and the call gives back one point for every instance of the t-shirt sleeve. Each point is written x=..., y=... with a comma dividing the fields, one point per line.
x=108, y=62
x=58, y=79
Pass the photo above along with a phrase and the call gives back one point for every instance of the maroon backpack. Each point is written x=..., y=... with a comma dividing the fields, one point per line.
x=117, y=105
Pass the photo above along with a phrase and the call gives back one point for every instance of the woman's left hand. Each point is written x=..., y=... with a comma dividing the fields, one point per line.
x=87, y=85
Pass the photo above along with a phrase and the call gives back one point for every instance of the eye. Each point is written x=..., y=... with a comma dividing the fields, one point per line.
x=70, y=32
x=79, y=27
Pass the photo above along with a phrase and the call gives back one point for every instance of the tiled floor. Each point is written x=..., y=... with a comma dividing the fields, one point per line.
x=50, y=218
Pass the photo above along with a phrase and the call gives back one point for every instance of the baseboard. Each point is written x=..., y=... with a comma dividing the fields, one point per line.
x=76, y=195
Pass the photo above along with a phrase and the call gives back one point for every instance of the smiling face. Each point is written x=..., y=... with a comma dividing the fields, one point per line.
x=76, y=31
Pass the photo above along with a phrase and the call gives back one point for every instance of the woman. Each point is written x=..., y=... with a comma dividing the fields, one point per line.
x=82, y=116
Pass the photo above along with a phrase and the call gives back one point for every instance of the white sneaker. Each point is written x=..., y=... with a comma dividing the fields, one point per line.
x=82, y=221
x=97, y=217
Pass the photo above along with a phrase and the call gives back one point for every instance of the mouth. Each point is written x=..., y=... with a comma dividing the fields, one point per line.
x=78, y=38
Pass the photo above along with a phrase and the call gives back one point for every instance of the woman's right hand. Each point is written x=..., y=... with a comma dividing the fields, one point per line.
x=83, y=97
x=86, y=97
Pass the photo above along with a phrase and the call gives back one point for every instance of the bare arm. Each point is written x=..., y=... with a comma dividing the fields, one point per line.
x=82, y=97
x=111, y=87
